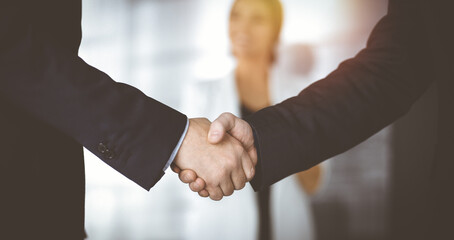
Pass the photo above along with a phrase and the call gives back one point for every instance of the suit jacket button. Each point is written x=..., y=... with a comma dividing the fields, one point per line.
x=102, y=148
x=109, y=154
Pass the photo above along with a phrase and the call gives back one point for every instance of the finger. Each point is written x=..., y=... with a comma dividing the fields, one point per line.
x=239, y=179
x=248, y=166
x=198, y=185
x=227, y=187
x=215, y=193
x=224, y=123
x=174, y=168
x=238, y=175
x=242, y=131
x=252, y=152
x=187, y=176
x=204, y=193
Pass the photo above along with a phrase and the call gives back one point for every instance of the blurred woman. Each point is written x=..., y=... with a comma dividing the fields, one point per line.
x=254, y=30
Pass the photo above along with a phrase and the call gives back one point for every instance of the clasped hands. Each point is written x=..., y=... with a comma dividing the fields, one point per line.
x=216, y=158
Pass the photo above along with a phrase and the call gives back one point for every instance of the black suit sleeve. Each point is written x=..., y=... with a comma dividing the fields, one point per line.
x=365, y=94
x=57, y=87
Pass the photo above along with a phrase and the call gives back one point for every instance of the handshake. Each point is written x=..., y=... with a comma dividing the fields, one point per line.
x=216, y=158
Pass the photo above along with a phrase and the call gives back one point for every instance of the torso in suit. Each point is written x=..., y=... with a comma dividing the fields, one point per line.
x=52, y=103
x=410, y=49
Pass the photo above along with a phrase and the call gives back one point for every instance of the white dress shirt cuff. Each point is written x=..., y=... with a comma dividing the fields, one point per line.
x=175, y=151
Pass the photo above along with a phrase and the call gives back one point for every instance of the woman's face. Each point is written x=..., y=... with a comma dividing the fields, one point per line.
x=251, y=29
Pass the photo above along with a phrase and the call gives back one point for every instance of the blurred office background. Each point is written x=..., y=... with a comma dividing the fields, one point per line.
x=159, y=46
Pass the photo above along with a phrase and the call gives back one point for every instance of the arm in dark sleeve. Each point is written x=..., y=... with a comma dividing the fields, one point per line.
x=365, y=94
x=57, y=87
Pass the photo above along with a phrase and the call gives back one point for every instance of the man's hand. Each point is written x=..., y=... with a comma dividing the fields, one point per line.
x=224, y=166
x=226, y=125
x=237, y=128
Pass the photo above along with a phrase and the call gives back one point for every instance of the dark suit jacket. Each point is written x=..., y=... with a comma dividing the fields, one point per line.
x=408, y=50
x=51, y=104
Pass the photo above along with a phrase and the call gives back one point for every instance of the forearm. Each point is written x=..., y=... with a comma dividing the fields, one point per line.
x=60, y=89
x=362, y=96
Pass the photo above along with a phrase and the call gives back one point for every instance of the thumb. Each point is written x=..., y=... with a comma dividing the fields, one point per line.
x=224, y=123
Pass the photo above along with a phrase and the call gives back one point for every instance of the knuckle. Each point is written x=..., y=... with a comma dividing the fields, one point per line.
x=229, y=193
x=211, y=185
x=236, y=154
x=241, y=185
x=238, y=148
x=225, y=114
x=216, y=197
x=231, y=163
x=224, y=172
x=240, y=152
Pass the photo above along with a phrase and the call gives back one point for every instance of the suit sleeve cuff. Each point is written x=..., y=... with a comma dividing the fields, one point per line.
x=256, y=182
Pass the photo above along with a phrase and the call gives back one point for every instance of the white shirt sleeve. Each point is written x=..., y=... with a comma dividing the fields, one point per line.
x=175, y=151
